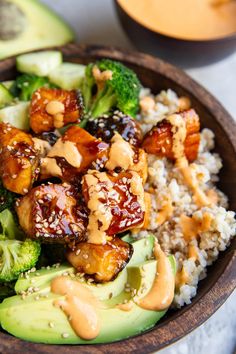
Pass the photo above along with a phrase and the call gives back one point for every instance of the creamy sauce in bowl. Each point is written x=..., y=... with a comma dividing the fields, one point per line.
x=185, y=19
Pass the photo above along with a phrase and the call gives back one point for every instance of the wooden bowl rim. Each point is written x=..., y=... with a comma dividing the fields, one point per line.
x=225, y=38
x=194, y=315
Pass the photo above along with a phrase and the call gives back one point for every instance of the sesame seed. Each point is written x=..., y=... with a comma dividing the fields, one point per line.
x=38, y=226
x=51, y=324
x=59, y=232
x=64, y=335
x=25, y=190
x=77, y=252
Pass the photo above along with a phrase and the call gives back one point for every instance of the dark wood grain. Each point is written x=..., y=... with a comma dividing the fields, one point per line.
x=221, y=280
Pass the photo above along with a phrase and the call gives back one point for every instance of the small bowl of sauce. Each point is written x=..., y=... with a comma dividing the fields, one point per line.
x=187, y=32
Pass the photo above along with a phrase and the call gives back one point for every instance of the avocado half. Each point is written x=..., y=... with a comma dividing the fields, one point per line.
x=27, y=25
x=36, y=319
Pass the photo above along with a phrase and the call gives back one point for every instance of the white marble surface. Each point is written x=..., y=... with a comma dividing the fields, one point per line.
x=94, y=21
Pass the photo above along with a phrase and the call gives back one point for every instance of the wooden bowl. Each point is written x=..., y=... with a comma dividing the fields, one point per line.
x=221, y=279
x=185, y=53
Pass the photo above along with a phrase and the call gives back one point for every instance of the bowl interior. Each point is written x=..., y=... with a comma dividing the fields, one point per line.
x=158, y=76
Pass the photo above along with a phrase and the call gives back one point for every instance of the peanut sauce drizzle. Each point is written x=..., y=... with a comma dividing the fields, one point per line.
x=191, y=227
x=68, y=150
x=80, y=305
x=166, y=211
x=179, y=135
x=161, y=293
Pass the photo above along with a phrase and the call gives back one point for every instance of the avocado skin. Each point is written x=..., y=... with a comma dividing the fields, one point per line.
x=30, y=319
x=52, y=30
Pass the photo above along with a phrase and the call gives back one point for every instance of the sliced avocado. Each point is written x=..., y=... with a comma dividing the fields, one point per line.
x=46, y=323
x=36, y=318
x=28, y=25
x=41, y=279
x=17, y=115
x=68, y=76
x=143, y=250
x=141, y=276
x=39, y=63
x=40, y=321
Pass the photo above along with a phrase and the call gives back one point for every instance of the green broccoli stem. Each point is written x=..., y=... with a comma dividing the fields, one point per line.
x=105, y=100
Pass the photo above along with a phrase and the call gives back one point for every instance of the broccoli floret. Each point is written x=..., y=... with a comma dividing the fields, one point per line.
x=8, y=226
x=7, y=198
x=26, y=84
x=17, y=257
x=120, y=91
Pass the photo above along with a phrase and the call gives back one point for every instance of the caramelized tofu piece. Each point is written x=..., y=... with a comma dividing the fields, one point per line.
x=126, y=126
x=101, y=262
x=54, y=108
x=124, y=156
x=115, y=203
x=18, y=159
x=73, y=154
x=159, y=140
x=53, y=213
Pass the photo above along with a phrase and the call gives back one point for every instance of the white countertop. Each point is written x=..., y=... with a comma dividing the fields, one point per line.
x=95, y=22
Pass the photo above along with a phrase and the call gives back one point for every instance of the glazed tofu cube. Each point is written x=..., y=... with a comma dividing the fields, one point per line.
x=100, y=262
x=54, y=108
x=53, y=213
x=159, y=140
x=73, y=154
x=18, y=159
x=115, y=203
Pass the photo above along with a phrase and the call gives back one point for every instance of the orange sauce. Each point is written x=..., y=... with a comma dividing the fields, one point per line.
x=212, y=196
x=187, y=19
x=162, y=291
x=181, y=278
x=192, y=227
x=199, y=197
x=192, y=252
x=80, y=305
x=165, y=213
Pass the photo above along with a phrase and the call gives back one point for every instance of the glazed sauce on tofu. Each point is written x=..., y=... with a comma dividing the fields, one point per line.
x=187, y=19
x=115, y=201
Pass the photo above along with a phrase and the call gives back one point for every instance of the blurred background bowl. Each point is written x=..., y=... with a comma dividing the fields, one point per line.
x=183, y=52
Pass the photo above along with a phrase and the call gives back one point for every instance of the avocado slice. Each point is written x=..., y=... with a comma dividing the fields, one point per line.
x=28, y=25
x=36, y=319
x=141, y=276
x=143, y=250
x=41, y=279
